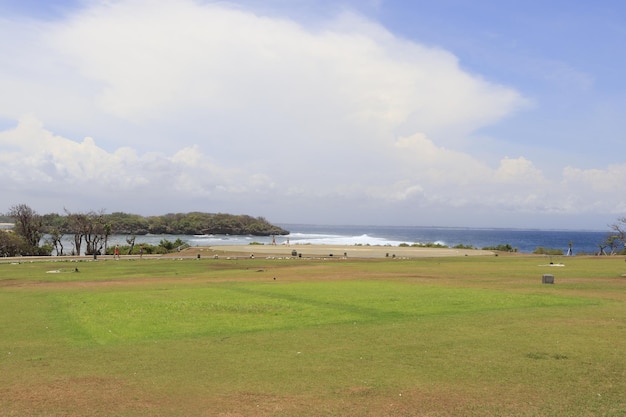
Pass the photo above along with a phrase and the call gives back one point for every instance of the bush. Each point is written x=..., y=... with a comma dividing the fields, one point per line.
x=45, y=250
x=12, y=244
x=429, y=245
x=461, y=246
x=165, y=246
x=501, y=248
x=171, y=246
x=547, y=251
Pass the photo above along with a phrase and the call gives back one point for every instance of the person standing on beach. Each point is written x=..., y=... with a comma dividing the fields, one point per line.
x=116, y=254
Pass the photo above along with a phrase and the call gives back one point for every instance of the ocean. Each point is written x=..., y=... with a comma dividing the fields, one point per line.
x=524, y=240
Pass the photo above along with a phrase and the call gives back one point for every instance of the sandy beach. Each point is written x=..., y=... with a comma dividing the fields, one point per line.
x=336, y=251
x=282, y=251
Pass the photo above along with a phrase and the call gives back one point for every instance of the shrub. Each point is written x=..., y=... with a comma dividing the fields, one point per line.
x=547, y=251
x=501, y=248
x=429, y=245
x=165, y=246
x=11, y=244
x=461, y=246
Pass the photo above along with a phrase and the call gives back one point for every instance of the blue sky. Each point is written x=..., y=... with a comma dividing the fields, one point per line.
x=449, y=113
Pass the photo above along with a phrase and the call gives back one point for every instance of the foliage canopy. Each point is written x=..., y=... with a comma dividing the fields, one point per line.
x=176, y=223
x=94, y=228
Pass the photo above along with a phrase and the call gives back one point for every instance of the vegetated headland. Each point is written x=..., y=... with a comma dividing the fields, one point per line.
x=35, y=234
x=171, y=223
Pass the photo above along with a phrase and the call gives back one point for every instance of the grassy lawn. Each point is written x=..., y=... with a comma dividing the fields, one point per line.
x=469, y=336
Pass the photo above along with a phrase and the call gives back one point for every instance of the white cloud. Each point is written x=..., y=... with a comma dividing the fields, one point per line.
x=190, y=105
x=610, y=180
x=154, y=63
x=38, y=156
x=520, y=170
x=438, y=165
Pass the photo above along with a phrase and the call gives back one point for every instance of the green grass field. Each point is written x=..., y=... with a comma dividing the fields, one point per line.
x=467, y=336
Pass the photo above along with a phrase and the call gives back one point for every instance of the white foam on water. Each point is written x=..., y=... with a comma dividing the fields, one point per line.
x=338, y=240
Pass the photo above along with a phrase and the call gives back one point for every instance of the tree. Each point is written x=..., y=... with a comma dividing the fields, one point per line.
x=55, y=239
x=131, y=243
x=92, y=228
x=612, y=242
x=12, y=244
x=29, y=226
x=107, y=233
x=618, y=235
x=76, y=226
x=95, y=233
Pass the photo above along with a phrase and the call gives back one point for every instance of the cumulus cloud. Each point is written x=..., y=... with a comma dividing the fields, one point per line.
x=35, y=155
x=609, y=180
x=208, y=105
x=519, y=170
x=141, y=62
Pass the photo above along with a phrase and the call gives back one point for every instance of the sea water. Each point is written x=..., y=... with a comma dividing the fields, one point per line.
x=524, y=240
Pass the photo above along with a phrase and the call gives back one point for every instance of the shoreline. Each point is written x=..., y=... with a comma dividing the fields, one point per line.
x=307, y=251
x=336, y=251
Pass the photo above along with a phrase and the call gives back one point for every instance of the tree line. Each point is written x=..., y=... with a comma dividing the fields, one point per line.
x=91, y=230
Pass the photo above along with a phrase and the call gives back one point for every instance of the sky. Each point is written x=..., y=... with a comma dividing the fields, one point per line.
x=481, y=113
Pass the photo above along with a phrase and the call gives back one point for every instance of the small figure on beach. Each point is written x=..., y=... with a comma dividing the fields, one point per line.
x=140, y=252
x=273, y=240
x=116, y=253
